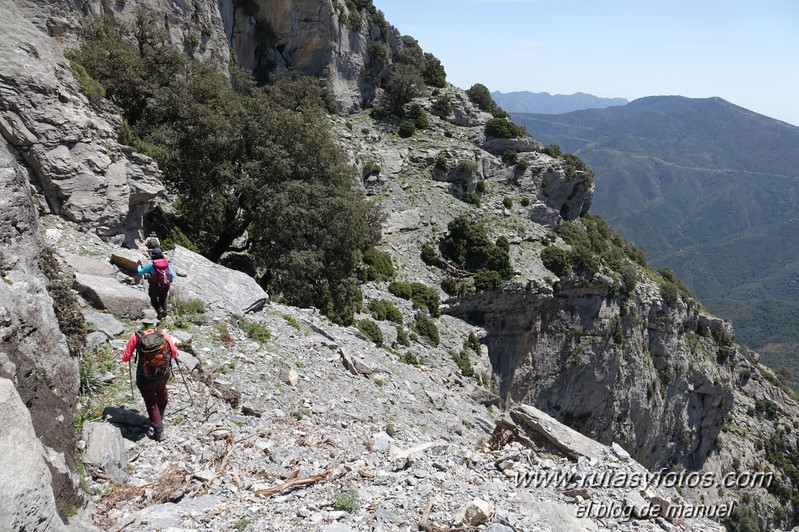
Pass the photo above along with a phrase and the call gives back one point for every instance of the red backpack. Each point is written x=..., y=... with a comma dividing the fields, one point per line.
x=161, y=277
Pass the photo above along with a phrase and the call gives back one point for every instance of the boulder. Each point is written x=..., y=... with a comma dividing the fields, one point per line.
x=103, y=322
x=26, y=495
x=224, y=291
x=105, y=448
x=108, y=294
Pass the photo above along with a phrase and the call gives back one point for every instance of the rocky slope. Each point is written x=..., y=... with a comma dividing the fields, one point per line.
x=661, y=380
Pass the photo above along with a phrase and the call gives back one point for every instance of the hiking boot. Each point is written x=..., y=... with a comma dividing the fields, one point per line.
x=158, y=434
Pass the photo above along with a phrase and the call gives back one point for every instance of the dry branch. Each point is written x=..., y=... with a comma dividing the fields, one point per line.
x=291, y=482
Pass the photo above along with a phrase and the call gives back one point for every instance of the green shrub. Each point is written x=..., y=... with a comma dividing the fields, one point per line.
x=487, y=280
x=466, y=169
x=206, y=31
x=441, y=162
x=507, y=202
x=553, y=150
x=402, y=289
x=442, y=106
x=472, y=199
x=510, y=156
x=371, y=330
x=409, y=358
x=382, y=309
x=422, y=295
x=448, y=134
x=522, y=164
x=468, y=246
x=669, y=292
x=379, y=266
x=525, y=201
x=480, y=186
x=91, y=88
x=176, y=237
x=426, y=328
x=192, y=40
x=255, y=330
x=480, y=96
x=585, y=261
x=419, y=117
x=450, y=285
x=380, y=114
x=429, y=255
x=402, y=337
x=502, y=128
x=463, y=362
x=347, y=501
x=473, y=342
x=557, y=260
x=406, y=129
x=189, y=306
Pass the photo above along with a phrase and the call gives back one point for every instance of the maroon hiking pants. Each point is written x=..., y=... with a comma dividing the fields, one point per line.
x=155, y=397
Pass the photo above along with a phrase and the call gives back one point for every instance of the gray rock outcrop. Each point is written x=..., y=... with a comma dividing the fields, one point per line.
x=25, y=480
x=34, y=351
x=223, y=291
x=69, y=149
x=312, y=37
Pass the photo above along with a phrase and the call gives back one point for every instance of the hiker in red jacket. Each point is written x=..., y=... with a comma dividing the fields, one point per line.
x=154, y=350
x=160, y=275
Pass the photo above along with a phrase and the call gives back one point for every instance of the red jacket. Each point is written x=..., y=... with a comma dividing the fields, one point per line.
x=133, y=343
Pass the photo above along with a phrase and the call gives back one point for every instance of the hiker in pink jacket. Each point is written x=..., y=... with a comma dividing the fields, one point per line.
x=160, y=276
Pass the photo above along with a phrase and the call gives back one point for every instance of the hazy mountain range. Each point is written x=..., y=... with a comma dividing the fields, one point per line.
x=708, y=188
x=545, y=103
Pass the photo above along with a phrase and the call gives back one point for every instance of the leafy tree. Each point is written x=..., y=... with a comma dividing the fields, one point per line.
x=442, y=106
x=242, y=160
x=468, y=246
x=557, y=260
x=434, y=74
x=481, y=97
x=403, y=85
x=502, y=128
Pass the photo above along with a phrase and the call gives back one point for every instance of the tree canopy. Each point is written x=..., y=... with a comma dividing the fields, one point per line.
x=253, y=168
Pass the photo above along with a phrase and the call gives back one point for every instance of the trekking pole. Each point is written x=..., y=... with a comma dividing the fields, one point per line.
x=183, y=376
x=130, y=379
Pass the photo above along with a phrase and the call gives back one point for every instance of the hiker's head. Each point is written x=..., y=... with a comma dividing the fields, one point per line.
x=152, y=233
x=149, y=319
x=157, y=254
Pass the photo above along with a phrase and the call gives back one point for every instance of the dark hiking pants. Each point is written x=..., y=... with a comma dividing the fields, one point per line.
x=155, y=397
x=158, y=296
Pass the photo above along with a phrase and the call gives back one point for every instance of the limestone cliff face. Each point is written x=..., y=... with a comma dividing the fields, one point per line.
x=665, y=381
x=307, y=36
x=33, y=352
x=68, y=147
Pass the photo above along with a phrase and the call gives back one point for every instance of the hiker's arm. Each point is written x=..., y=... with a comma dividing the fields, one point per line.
x=147, y=268
x=171, y=273
x=130, y=348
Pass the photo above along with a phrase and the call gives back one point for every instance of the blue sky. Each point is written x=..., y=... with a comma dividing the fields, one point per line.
x=744, y=51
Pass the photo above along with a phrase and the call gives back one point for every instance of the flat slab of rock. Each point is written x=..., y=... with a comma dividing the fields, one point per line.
x=224, y=291
x=89, y=265
x=108, y=294
x=103, y=322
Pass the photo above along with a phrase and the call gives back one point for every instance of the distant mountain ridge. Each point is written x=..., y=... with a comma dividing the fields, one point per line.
x=545, y=103
x=707, y=188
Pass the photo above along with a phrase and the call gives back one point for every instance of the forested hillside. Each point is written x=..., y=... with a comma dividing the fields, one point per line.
x=708, y=189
